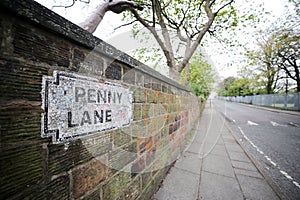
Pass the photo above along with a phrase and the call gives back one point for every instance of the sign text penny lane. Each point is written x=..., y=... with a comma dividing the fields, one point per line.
x=76, y=106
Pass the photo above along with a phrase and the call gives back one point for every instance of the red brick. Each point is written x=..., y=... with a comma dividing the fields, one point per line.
x=87, y=177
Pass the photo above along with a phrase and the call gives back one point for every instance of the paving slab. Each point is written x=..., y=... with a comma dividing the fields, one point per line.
x=243, y=165
x=229, y=140
x=215, y=149
x=254, y=188
x=254, y=174
x=180, y=184
x=214, y=167
x=234, y=147
x=238, y=156
x=195, y=147
x=228, y=136
x=218, y=165
x=214, y=139
x=214, y=187
x=189, y=162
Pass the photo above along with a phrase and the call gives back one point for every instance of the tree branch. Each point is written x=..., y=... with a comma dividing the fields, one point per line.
x=180, y=36
x=155, y=34
x=127, y=24
x=211, y=16
x=169, y=50
x=225, y=5
x=116, y=6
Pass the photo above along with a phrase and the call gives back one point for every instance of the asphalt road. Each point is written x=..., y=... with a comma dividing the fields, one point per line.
x=272, y=138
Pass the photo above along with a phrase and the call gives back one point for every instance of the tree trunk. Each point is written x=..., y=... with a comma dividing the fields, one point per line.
x=174, y=74
x=116, y=6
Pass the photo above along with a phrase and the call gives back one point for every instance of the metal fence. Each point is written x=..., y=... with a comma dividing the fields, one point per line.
x=281, y=101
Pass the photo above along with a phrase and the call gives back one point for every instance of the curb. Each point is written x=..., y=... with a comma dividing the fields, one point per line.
x=261, y=169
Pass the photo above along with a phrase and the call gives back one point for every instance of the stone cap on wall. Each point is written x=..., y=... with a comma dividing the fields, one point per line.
x=38, y=14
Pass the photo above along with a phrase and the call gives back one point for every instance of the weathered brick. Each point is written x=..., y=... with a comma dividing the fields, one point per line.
x=139, y=95
x=147, y=111
x=133, y=190
x=147, y=82
x=115, y=186
x=20, y=81
x=137, y=112
x=96, y=195
x=98, y=144
x=56, y=188
x=148, y=192
x=120, y=157
x=139, y=79
x=87, y=176
x=22, y=164
x=150, y=96
x=156, y=97
x=164, y=88
x=146, y=179
x=156, y=86
x=39, y=45
x=63, y=157
x=129, y=77
x=138, y=129
x=121, y=137
x=20, y=122
x=88, y=62
x=113, y=71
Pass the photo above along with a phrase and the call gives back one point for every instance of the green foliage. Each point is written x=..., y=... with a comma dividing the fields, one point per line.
x=201, y=77
x=276, y=59
x=235, y=87
x=266, y=69
x=180, y=25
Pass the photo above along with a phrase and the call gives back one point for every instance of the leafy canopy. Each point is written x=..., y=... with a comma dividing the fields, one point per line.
x=179, y=26
x=201, y=77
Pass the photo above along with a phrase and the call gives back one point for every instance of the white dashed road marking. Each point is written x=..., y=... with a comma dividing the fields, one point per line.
x=269, y=159
x=276, y=124
x=252, y=123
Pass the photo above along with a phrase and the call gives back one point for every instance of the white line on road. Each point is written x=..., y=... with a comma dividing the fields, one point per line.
x=252, y=123
x=276, y=124
x=286, y=175
x=297, y=184
x=269, y=159
x=293, y=124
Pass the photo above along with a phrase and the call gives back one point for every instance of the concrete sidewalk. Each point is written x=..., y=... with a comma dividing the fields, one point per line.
x=214, y=166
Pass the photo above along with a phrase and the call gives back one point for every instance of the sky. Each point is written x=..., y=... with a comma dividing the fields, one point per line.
x=223, y=58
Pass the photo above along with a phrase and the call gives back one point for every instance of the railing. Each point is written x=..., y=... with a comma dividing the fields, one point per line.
x=281, y=101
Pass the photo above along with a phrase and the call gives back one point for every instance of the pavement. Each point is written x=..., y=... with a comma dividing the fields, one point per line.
x=214, y=166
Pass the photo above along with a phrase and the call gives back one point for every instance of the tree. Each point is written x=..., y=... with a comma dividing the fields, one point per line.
x=224, y=86
x=241, y=87
x=264, y=58
x=116, y=6
x=201, y=77
x=236, y=87
x=278, y=55
x=287, y=40
x=186, y=20
x=288, y=55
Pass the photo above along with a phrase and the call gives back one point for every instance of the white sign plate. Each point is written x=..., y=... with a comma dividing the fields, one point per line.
x=76, y=106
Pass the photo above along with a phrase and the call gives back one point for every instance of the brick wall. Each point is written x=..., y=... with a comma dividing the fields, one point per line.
x=122, y=163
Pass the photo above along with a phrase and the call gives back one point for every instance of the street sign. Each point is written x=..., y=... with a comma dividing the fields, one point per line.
x=76, y=106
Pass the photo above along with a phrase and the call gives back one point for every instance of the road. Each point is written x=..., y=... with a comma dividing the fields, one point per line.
x=272, y=138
